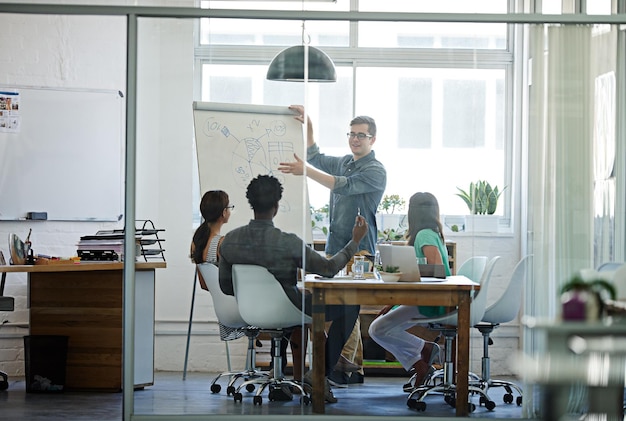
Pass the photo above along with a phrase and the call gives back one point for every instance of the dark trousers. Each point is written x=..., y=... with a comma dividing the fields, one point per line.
x=343, y=319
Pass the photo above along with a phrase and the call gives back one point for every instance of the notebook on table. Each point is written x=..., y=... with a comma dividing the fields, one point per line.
x=403, y=257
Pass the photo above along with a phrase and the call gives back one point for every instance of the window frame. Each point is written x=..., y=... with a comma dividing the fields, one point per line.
x=354, y=56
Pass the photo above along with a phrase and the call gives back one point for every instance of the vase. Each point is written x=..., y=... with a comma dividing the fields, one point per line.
x=580, y=305
x=482, y=223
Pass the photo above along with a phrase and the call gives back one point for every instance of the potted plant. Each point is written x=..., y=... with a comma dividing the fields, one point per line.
x=319, y=220
x=585, y=300
x=482, y=202
x=390, y=224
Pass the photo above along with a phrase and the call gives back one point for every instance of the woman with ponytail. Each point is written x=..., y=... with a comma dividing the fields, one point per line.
x=215, y=210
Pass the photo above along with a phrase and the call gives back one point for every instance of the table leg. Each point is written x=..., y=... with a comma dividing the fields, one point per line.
x=463, y=343
x=319, y=354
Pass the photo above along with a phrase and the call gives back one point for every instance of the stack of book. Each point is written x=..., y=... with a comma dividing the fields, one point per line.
x=104, y=246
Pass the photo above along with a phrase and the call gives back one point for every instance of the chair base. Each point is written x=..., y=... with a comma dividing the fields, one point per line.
x=276, y=381
x=4, y=383
x=485, y=381
x=249, y=373
x=442, y=382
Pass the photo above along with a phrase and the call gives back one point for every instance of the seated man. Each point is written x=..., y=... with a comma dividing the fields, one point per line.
x=260, y=243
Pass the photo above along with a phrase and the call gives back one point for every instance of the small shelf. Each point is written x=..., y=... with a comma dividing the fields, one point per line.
x=152, y=233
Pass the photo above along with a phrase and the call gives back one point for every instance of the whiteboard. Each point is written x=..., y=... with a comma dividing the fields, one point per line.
x=65, y=156
x=237, y=142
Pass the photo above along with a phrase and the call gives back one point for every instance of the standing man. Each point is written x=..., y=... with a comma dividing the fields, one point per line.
x=356, y=182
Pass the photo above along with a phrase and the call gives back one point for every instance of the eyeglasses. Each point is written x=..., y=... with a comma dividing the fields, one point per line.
x=360, y=136
x=231, y=207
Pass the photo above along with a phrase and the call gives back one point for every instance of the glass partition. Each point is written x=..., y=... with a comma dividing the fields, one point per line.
x=531, y=109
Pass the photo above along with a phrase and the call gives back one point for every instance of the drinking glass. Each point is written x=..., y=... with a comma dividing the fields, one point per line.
x=358, y=269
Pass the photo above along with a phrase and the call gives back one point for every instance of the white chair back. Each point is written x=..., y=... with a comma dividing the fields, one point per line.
x=473, y=268
x=479, y=303
x=609, y=266
x=506, y=308
x=619, y=280
x=261, y=300
x=225, y=306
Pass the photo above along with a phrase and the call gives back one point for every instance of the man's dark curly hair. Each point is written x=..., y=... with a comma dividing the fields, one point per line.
x=264, y=192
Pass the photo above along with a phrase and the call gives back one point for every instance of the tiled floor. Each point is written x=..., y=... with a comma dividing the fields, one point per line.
x=170, y=395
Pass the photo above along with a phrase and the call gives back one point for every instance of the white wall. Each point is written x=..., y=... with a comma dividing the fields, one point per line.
x=89, y=52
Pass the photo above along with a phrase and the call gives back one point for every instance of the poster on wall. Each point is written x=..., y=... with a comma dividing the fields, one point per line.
x=9, y=112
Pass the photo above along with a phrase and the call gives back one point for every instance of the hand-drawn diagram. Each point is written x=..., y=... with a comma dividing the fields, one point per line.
x=256, y=154
x=236, y=143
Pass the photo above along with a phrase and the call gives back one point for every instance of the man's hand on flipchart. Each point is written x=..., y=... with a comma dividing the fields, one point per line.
x=295, y=168
x=299, y=109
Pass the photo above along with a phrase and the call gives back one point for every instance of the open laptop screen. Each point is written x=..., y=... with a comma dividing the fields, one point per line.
x=403, y=257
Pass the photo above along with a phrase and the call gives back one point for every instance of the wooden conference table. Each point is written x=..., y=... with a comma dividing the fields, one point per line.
x=455, y=291
x=84, y=302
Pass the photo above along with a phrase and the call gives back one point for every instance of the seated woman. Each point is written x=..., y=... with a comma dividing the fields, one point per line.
x=389, y=329
x=215, y=210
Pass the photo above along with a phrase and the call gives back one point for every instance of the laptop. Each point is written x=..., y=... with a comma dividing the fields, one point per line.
x=403, y=257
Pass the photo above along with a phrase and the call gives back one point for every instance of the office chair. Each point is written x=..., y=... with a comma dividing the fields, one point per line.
x=473, y=269
x=609, y=266
x=6, y=304
x=232, y=326
x=442, y=381
x=503, y=310
x=262, y=302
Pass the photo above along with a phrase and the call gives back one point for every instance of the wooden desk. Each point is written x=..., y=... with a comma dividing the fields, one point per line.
x=84, y=301
x=455, y=291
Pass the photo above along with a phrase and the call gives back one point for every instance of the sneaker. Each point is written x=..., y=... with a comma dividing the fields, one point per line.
x=329, y=397
x=346, y=365
x=356, y=378
x=338, y=379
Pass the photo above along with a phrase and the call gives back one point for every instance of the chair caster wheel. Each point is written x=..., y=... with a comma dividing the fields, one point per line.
x=250, y=387
x=215, y=388
x=237, y=397
x=490, y=405
x=450, y=400
x=257, y=400
x=420, y=406
x=305, y=400
x=4, y=385
x=411, y=403
x=518, y=401
x=471, y=408
x=507, y=398
x=230, y=390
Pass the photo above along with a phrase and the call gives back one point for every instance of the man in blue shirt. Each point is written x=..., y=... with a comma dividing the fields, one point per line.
x=357, y=183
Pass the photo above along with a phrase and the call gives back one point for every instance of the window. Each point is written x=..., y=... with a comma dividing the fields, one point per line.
x=438, y=92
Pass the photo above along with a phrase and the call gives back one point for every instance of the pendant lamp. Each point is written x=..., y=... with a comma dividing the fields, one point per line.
x=288, y=66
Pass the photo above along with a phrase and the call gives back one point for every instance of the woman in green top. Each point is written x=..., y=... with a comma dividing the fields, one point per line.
x=389, y=329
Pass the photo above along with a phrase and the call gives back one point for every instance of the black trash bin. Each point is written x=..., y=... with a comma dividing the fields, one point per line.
x=45, y=358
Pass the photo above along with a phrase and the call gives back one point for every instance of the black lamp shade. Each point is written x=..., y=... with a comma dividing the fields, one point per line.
x=288, y=66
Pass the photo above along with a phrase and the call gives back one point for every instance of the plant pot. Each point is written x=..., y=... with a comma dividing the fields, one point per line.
x=482, y=223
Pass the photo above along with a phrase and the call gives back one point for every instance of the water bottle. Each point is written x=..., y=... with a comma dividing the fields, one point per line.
x=378, y=264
